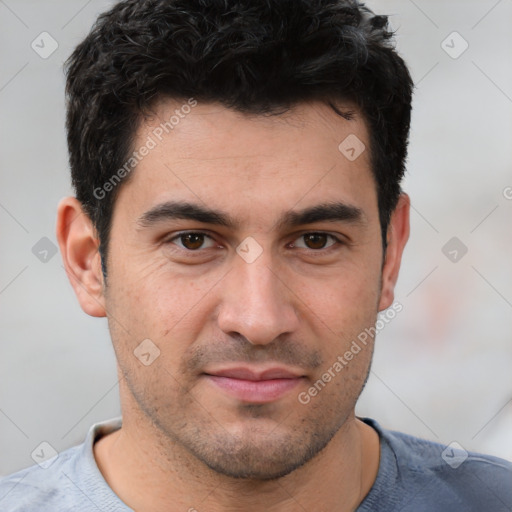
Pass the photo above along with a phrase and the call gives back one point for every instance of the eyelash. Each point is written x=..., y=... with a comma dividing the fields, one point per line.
x=337, y=241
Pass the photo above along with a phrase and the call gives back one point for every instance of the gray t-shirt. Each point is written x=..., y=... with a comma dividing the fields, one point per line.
x=414, y=476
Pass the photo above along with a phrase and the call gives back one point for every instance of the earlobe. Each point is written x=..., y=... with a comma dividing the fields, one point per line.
x=398, y=234
x=79, y=248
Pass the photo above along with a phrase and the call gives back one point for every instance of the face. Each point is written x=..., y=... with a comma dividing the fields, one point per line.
x=246, y=251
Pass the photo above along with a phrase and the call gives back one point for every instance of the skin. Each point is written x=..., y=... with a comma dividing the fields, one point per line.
x=184, y=440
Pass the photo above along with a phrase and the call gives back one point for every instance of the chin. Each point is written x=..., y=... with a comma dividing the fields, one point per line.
x=264, y=456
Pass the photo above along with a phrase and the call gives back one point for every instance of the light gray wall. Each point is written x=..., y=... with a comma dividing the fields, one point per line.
x=442, y=366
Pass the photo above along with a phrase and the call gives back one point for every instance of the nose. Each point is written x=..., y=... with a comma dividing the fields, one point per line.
x=257, y=303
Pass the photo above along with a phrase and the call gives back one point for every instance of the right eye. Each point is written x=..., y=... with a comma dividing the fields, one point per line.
x=191, y=240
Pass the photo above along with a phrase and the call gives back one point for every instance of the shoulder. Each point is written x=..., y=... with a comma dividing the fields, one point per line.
x=47, y=483
x=69, y=481
x=455, y=475
x=433, y=476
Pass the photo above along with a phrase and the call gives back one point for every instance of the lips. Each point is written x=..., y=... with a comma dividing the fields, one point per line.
x=246, y=373
x=254, y=385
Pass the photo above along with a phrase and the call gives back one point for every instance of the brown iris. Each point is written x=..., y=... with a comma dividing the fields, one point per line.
x=315, y=240
x=192, y=241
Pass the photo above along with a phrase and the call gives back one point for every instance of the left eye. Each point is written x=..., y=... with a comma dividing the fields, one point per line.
x=192, y=241
x=316, y=241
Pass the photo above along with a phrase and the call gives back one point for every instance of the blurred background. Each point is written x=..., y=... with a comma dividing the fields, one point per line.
x=442, y=366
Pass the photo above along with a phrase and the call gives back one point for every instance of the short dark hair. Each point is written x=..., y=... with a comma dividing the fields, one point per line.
x=253, y=56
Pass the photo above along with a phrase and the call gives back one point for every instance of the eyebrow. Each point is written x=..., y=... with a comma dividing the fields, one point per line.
x=172, y=210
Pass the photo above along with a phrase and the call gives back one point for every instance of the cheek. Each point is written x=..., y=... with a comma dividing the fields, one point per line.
x=346, y=301
x=151, y=296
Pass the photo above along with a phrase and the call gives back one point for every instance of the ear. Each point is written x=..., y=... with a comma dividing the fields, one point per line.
x=397, y=236
x=79, y=248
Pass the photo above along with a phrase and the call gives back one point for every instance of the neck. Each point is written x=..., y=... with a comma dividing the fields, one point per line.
x=148, y=472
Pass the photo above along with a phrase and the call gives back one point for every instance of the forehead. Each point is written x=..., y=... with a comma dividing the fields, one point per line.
x=230, y=160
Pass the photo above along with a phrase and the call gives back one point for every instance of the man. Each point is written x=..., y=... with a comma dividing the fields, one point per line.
x=239, y=220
